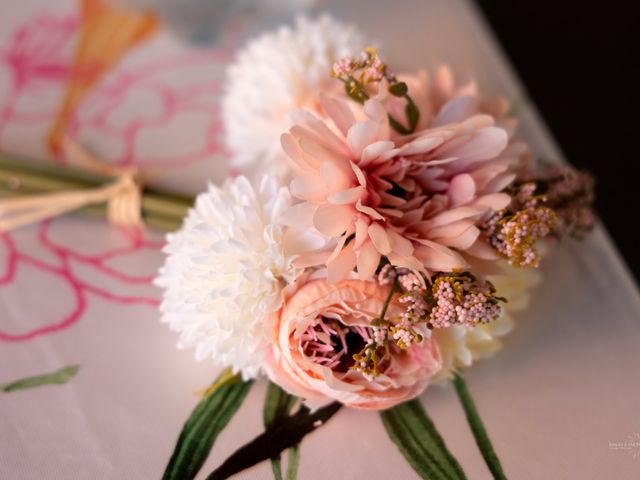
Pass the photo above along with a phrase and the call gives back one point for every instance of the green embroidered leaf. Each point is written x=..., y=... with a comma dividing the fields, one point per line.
x=284, y=434
x=207, y=420
x=58, y=377
x=278, y=405
x=477, y=427
x=415, y=435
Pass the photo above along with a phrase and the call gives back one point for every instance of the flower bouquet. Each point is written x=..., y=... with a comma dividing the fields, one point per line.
x=378, y=239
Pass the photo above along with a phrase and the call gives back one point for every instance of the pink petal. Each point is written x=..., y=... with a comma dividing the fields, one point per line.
x=293, y=151
x=461, y=189
x=410, y=262
x=368, y=211
x=309, y=187
x=339, y=245
x=311, y=259
x=391, y=200
x=299, y=215
x=360, y=135
x=438, y=260
x=379, y=238
x=494, y=201
x=339, y=267
x=400, y=244
x=390, y=212
x=301, y=241
x=443, y=80
x=307, y=124
x=454, y=215
x=348, y=196
x=374, y=109
x=450, y=230
x=464, y=240
x=362, y=179
x=421, y=145
x=482, y=249
x=339, y=112
x=322, y=154
x=367, y=261
x=335, y=178
x=455, y=111
x=477, y=122
x=440, y=161
x=333, y=220
x=488, y=143
x=489, y=171
x=362, y=234
x=374, y=150
x=500, y=182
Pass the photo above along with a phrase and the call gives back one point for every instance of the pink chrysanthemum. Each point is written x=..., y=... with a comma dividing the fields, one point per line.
x=432, y=92
x=415, y=199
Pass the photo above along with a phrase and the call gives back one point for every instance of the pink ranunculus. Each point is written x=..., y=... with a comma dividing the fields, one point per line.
x=318, y=330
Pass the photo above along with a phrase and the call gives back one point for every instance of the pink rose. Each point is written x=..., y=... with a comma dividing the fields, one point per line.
x=319, y=328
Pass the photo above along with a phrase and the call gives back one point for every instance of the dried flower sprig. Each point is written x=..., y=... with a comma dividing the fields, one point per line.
x=456, y=298
x=570, y=193
x=360, y=74
x=514, y=231
x=462, y=299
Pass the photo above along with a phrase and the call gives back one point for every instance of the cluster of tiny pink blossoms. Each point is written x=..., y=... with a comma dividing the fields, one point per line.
x=461, y=300
x=396, y=333
x=412, y=286
x=364, y=70
x=514, y=231
x=457, y=298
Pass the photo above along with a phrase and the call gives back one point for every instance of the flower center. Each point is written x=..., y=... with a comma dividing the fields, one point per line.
x=330, y=343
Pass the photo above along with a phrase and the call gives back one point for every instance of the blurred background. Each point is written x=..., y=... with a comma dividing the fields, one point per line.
x=579, y=62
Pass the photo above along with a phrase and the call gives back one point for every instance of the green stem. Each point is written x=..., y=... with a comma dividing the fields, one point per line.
x=294, y=461
x=287, y=433
x=477, y=427
x=387, y=301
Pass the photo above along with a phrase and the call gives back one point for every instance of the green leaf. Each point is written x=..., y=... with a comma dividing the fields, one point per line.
x=413, y=114
x=415, y=435
x=397, y=126
x=477, y=427
x=59, y=377
x=285, y=434
x=207, y=420
x=399, y=89
x=277, y=406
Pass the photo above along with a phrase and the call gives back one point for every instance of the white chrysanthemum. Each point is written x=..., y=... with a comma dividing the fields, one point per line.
x=275, y=74
x=460, y=346
x=224, y=272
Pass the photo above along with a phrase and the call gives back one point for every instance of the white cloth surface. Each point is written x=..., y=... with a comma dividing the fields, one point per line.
x=565, y=386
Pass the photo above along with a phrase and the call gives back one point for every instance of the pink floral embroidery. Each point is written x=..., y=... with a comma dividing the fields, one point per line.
x=59, y=263
x=36, y=63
